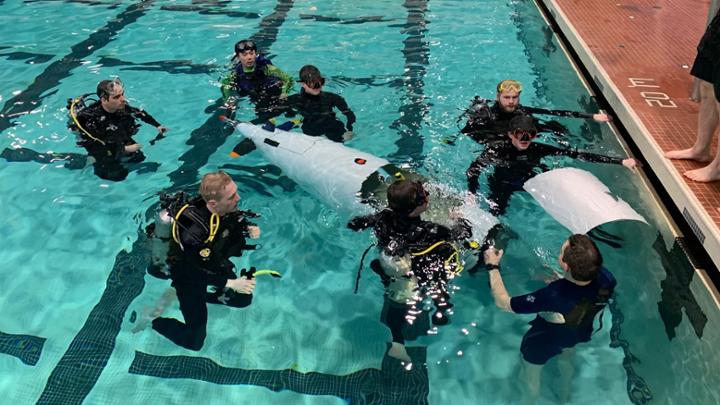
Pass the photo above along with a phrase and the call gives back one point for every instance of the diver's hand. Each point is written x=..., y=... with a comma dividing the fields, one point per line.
x=600, y=117
x=241, y=285
x=283, y=97
x=132, y=148
x=161, y=129
x=631, y=163
x=253, y=231
x=348, y=135
x=493, y=256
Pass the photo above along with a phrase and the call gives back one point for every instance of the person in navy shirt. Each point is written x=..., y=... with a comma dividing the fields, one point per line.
x=566, y=307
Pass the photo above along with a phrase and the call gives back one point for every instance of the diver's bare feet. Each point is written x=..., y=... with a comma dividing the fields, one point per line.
x=689, y=154
x=399, y=352
x=706, y=174
x=151, y=313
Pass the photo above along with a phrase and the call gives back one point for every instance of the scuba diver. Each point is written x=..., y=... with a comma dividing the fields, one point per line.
x=490, y=122
x=417, y=259
x=254, y=76
x=206, y=232
x=316, y=108
x=517, y=159
x=566, y=307
x=105, y=129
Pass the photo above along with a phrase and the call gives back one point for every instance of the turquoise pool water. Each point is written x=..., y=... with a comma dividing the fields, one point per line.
x=74, y=256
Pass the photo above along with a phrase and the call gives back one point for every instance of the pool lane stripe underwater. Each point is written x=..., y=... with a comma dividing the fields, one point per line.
x=392, y=384
x=64, y=384
x=81, y=365
x=416, y=52
x=25, y=347
x=31, y=98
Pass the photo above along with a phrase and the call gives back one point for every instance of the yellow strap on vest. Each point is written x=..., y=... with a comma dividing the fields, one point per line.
x=75, y=120
x=214, y=225
x=454, y=257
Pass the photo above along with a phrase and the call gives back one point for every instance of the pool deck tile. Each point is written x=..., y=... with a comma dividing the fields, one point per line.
x=640, y=53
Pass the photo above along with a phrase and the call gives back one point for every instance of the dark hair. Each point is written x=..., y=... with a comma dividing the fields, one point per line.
x=245, y=45
x=310, y=74
x=106, y=87
x=405, y=195
x=522, y=122
x=582, y=257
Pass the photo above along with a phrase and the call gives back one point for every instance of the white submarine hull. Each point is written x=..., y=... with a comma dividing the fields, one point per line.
x=334, y=173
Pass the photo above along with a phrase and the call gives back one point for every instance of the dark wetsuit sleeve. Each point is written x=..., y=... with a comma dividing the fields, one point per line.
x=548, y=150
x=557, y=113
x=362, y=222
x=341, y=105
x=607, y=280
x=290, y=107
x=538, y=301
x=144, y=116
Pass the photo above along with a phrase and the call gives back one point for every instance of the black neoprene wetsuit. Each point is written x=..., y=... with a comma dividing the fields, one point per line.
x=513, y=167
x=318, y=115
x=491, y=123
x=399, y=235
x=199, y=264
x=112, y=132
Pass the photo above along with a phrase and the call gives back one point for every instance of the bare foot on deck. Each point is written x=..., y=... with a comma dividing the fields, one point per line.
x=689, y=154
x=706, y=174
x=150, y=313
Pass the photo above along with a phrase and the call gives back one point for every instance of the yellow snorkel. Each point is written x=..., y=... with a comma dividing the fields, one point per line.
x=254, y=273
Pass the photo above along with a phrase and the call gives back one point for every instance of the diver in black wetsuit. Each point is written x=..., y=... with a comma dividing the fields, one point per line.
x=491, y=122
x=316, y=108
x=209, y=230
x=416, y=258
x=518, y=159
x=105, y=129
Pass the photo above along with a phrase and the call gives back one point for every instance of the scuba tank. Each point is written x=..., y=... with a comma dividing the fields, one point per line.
x=159, y=245
x=160, y=233
x=403, y=285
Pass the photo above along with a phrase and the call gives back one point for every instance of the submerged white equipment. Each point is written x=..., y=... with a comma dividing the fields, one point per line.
x=335, y=173
x=578, y=200
x=328, y=170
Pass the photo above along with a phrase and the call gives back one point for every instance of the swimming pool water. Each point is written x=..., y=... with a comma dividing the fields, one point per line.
x=74, y=254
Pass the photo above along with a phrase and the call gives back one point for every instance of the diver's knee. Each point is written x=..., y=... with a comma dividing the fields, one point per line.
x=196, y=343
